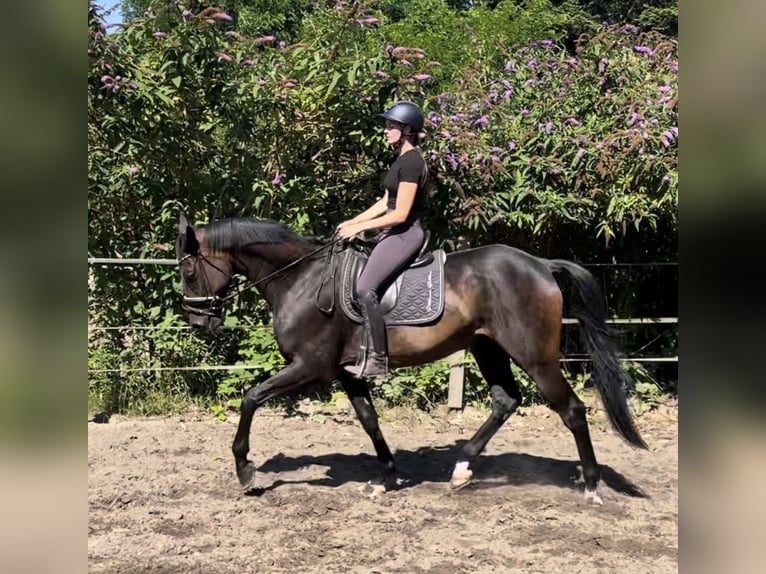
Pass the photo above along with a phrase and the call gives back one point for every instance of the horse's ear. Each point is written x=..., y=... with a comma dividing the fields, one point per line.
x=187, y=239
x=191, y=245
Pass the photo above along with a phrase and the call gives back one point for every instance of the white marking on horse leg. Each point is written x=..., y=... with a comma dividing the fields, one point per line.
x=593, y=496
x=461, y=475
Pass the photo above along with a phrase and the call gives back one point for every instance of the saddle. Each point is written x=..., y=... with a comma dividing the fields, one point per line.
x=415, y=297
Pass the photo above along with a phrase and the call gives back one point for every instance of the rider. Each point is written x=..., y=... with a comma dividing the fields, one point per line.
x=397, y=215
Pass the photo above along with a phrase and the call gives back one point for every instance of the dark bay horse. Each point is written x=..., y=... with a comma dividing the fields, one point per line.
x=500, y=302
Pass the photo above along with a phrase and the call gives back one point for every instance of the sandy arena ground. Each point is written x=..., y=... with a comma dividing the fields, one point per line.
x=163, y=497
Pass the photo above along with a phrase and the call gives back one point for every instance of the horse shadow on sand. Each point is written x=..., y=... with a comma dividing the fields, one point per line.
x=434, y=465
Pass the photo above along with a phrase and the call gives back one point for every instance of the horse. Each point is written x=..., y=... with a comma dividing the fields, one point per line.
x=499, y=302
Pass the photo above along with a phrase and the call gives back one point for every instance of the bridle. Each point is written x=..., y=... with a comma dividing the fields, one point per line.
x=212, y=305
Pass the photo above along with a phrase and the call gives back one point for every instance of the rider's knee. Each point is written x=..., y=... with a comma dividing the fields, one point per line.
x=367, y=296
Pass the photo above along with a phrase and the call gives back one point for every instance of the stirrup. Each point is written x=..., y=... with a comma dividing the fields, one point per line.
x=373, y=364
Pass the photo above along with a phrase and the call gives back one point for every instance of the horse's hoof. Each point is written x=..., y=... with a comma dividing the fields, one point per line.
x=246, y=476
x=399, y=482
x=461, y=477
x=372, y=491
x=593, y=497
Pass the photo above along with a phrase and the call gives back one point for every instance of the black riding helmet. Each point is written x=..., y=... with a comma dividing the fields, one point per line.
x=405, y=113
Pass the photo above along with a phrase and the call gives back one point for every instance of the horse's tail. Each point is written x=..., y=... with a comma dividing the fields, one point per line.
x=611, y=381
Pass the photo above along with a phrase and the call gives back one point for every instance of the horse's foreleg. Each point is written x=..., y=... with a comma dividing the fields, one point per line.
x=495, y=365
x=289, y=380
x=359, y=394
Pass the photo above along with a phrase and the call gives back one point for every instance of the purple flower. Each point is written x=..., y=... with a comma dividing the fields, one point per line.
x=223, y=16
x=398, y=51
x=507, y=94
x=548, y=127
x=630, y=29
x=529, y=82
x=665, y=178
x=421, y=77
x=233, y=34
x=497, y=150
x=389, y=48
x=674, y=67
x=159, y=34
x=511, y=145
x=664, y=141
x=132, y=170
x=524, y=113
x=580, y=153
x=380, y=74
x=532, y=62
x=573, y=62
x=482, y=121
x=289, y=84
x=247, y=63
x=644, y=50
x=282, y=44
x=451, y=160
x=224, y=56
x=674, y=131
x=571, y=121
x=663, y=89
x=508, y=66
x=186, y=13
x=264, y=39
x=434, y=118
x=107, y=80
x=277, y=180
x=131, y=85
x=405, y=62
x=369, y=21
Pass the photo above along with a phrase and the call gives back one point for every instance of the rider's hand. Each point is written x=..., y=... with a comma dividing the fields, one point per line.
x=343, y=224
x=347, y=230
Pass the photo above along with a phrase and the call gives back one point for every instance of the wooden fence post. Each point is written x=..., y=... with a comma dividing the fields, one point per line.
x=456, y=380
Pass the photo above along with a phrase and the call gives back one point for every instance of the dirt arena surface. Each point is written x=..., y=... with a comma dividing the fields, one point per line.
x=163, y=497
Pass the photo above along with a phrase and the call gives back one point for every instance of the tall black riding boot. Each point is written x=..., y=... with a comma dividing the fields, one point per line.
x=375, y=362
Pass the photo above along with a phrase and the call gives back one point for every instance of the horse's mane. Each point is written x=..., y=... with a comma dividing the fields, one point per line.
x=226, y=235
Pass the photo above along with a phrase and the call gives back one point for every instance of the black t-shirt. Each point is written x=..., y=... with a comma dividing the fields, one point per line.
x=409, y=167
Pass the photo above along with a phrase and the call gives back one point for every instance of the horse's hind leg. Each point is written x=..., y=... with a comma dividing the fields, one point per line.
x=495, y=366
x=359, y=394
x=570, y=408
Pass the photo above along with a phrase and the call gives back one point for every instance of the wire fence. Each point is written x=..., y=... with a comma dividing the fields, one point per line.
x=148, y=261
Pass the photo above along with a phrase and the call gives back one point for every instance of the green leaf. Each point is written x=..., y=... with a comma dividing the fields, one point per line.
x=335, y=77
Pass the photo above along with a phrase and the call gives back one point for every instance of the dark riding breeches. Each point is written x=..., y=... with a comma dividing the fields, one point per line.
x=389, y=257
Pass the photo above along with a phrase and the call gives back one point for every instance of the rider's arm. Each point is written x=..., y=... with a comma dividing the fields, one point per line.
x=378, y=208
x=404, y=199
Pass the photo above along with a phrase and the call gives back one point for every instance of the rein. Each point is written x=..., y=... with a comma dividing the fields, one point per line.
x=216, y=303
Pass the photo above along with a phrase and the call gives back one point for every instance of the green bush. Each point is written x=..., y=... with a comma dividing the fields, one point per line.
x=531, y=144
